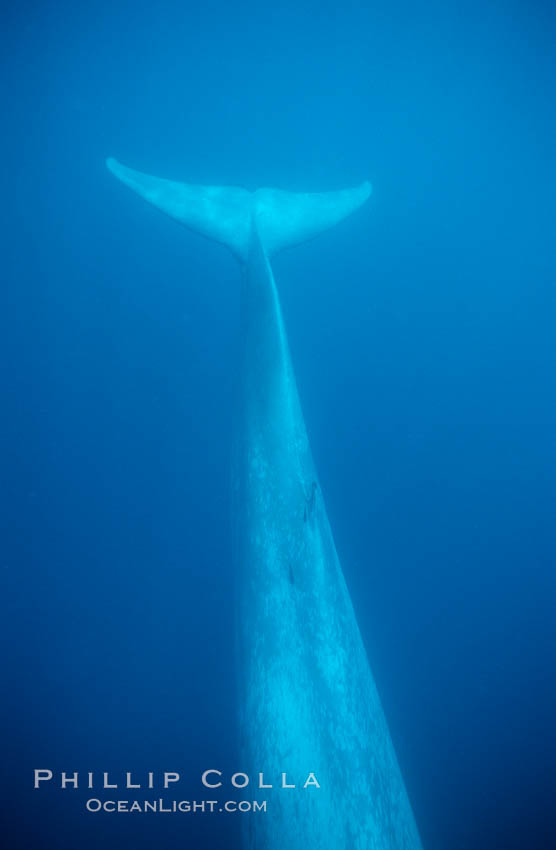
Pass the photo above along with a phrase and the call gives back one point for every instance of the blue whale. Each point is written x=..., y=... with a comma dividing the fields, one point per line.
x=309, y=710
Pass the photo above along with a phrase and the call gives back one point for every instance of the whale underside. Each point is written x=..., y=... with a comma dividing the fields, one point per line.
x=308, y=704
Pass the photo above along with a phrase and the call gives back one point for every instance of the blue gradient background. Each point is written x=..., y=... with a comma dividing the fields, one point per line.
x=422, y=332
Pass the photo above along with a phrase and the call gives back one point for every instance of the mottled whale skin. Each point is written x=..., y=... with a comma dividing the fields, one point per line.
x=307, y=699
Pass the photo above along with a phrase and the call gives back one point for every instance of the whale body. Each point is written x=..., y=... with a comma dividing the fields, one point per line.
x=308, y=704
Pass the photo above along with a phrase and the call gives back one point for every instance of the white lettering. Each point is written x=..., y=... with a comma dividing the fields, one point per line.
x=205, y=781
x=42, y=776
x=171, y=777
x=236, y=783
x=67, y=780
x=128, y=782
x=284, y=783
x=311, y=780
x=106, y=783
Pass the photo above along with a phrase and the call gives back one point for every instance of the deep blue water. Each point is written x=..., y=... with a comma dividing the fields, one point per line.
x=422, y=332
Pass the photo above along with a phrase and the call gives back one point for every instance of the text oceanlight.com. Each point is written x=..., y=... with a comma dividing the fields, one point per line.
x=175, y=806
x=213, y=779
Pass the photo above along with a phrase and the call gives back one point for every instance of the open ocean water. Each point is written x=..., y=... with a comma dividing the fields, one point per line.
x=422, y=332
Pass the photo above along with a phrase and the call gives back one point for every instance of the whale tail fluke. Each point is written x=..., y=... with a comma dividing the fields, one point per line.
x=228, y=213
